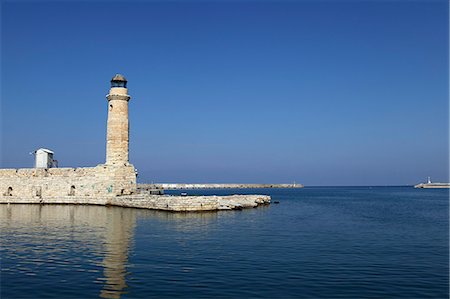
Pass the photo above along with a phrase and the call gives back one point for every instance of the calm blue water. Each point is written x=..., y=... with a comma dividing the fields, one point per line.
x=316, y=243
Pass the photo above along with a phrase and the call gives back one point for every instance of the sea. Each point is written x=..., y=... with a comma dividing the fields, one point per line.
x=315, y=242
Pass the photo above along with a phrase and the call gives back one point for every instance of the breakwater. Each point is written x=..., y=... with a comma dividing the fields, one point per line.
x=173, y=186
x=432, y=185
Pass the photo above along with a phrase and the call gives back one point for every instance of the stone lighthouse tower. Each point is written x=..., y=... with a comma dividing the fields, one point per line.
x=117, y=136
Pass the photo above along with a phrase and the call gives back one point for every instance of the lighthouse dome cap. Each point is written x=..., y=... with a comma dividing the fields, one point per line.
x=119, y=77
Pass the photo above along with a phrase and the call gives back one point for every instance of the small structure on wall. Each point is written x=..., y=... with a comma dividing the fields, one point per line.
x=44, y=159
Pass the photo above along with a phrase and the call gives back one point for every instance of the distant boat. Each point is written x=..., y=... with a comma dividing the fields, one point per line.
x=430, y=185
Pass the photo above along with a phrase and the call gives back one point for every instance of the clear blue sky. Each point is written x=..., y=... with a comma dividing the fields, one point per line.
x=320, y=92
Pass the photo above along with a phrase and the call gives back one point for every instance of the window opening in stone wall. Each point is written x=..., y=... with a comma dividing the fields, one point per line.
x=38, y=191
x=72, y=190
x=122, y=191
x=9, y=191
x=110, y=107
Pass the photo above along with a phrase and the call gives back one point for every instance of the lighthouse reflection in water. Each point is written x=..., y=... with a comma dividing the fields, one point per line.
x=66, y=248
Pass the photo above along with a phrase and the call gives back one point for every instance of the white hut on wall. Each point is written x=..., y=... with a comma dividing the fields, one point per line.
x=44, y=158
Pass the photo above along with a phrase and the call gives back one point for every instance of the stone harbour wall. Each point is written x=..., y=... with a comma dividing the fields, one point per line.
x=41, y=183
x=105, y=185
x=153, y=202
x=190, y=203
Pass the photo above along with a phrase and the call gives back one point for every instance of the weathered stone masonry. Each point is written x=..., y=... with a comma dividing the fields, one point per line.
x=102, y=180
x=114, y=178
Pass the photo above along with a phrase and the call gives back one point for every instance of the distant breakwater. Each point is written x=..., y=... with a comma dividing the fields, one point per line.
x=432, y=185
x=171, y=186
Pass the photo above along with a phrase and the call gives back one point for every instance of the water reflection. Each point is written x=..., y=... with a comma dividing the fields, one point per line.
x=182, y=222
x=45, y=233
x=120, y=225
x=102, y=230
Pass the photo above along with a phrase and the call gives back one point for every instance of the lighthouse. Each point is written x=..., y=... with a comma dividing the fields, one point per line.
x=118, y=129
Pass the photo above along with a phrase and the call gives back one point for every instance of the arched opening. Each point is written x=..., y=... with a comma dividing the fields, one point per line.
x=110, y=107
x=9, y=191
x=72, y=190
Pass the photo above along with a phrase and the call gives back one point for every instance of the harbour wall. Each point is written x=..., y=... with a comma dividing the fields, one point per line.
x=170, y=186
x=153, y=202
x=42, y=183
x=105, y=185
